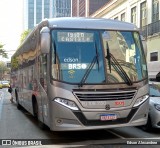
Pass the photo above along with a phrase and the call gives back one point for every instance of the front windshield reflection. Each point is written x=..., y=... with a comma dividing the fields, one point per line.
x=74, y=50
x=126, y=49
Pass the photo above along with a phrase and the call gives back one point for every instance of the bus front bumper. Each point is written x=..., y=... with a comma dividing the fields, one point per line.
x=65, y=119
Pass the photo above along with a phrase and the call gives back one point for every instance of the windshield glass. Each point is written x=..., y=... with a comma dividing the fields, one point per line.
x=126, y=49
x=76, y=51
x=5, y=82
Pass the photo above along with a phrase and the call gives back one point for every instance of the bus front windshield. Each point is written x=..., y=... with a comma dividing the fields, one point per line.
x=97, y=56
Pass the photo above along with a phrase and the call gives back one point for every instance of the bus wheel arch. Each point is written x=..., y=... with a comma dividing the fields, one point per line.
x=36, y=112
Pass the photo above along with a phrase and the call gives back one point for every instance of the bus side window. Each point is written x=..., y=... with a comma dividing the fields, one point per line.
x=43, y=71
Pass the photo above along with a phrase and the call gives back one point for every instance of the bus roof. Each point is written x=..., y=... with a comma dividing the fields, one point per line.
x=90, y=23
x=79, y=23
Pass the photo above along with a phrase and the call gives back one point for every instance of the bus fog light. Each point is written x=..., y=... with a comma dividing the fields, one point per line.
x=59, y=121
x=66, y=103
x=141, y=100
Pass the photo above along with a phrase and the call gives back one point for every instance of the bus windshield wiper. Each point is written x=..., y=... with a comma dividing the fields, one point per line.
x=120, y=70
x=90, y=67
x=117, y=66
x=88, y=70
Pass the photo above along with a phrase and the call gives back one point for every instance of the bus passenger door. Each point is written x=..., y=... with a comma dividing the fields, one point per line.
x=43, y=88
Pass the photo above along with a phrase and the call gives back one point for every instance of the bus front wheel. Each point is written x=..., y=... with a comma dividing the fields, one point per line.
x=36, y=115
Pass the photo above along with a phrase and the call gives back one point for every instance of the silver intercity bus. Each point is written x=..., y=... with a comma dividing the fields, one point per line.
x=82, y=74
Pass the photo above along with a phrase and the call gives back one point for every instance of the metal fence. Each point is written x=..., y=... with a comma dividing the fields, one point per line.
x=150, y=29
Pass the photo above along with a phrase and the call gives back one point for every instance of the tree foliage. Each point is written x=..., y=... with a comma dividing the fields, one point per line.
x=2, y=51
x=14, y=63
x=3, y=69
x=24, y=35
x=3, y=66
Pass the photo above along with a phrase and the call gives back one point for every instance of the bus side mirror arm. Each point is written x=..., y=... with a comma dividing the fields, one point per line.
x=45, y=40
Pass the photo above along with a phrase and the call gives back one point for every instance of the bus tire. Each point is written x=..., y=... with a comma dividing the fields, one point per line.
x=41, y=125
x=36, y=113
x=19, y=107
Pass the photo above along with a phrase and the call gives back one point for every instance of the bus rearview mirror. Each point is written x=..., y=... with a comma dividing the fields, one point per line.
x=45, y=40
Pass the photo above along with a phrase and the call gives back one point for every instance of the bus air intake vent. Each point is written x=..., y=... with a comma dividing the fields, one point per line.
x=104, y=96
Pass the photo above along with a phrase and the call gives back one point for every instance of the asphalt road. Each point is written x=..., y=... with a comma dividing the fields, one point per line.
x=21, y=126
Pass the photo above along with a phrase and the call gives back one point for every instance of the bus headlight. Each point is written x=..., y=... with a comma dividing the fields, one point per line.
x=66, y=103
x=141, y=100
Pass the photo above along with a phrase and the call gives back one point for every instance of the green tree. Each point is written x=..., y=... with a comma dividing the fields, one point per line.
x=14, y=63
x=2, y=51
x=3, y=69
x=24, y=35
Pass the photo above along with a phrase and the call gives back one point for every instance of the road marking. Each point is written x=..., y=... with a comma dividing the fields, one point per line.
x=116, y=134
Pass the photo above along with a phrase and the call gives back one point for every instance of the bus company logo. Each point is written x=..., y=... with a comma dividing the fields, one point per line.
x=70, y=60
x=107, y=107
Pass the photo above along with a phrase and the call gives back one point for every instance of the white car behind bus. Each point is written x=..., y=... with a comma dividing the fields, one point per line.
x=154, y=107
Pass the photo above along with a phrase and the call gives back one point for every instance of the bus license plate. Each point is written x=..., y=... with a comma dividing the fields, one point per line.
x=105, y=117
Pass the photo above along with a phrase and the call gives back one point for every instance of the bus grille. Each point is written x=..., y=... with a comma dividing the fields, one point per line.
x=104, y=96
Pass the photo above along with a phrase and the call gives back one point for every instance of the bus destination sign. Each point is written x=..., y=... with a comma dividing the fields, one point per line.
x=75, y=37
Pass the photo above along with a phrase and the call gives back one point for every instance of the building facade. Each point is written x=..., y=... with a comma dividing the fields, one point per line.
x=84, y=8
x=37, y=10
x=144, y=14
